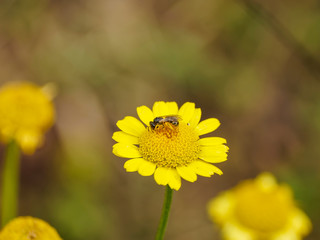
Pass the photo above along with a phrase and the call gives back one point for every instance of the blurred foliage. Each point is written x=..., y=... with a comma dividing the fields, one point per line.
x=108, y=57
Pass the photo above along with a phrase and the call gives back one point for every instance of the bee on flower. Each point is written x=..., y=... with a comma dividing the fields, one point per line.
x=170, y=123
x=167, y=143
x=259, y=209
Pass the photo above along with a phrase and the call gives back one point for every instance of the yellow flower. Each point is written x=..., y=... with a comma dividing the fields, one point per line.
x=28, y=228
x=169, y=145
x=259, y=209
x=26, y=112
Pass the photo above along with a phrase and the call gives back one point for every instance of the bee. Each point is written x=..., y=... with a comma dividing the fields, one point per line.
x=163, y=120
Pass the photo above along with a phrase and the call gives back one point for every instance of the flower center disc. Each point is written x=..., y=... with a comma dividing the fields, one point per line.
x=170, y=146
x=264, y=211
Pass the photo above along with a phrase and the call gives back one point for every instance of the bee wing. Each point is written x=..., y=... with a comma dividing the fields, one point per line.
x=172, y=116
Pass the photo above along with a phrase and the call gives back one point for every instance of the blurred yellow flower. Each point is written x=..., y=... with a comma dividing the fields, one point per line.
x=26, y=112
x=259, y=209
x=169, y=145
x=28, y=228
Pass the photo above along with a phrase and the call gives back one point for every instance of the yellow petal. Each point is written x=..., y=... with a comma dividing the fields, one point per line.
x=204, y=169
x=300, y=222
x=194, y=121
x=161, y=175
x=214, y=159
x=172, y=108
x=211, y=141
x=174, y=179
x=123, y=137
x=221, y=207
x=214, y=150
x=29, y=140
x=187, y=111
x=287, y=234
x=50, y=90
x=146, y=168
x=208, y=125
x=133, y=165
x=126, y=150
x=131, y=125
x=266, y=182
x=234, y=230
x=145, y=114
x=214, y=154
x=187, y=173
x=160, y=109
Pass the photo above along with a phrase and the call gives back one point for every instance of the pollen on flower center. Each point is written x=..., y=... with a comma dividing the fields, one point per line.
x=264, y=211
x=170, y=146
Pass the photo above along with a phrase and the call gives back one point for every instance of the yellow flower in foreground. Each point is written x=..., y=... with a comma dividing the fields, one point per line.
x=28, y=228
x=26, y=112
x=169, y=146
x=259, y=209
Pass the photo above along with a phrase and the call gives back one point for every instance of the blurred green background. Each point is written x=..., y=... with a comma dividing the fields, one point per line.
x=254, y=66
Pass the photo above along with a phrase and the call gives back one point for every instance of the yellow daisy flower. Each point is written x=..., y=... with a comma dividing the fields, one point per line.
x=27, y=228
x=168, y=145
x=26, y=112
x=259, y=209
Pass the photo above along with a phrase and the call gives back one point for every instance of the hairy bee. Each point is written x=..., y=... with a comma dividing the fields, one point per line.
x=158, y=121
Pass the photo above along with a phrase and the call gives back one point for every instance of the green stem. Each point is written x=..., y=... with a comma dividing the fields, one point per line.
x=10, y=183
x=165, y=213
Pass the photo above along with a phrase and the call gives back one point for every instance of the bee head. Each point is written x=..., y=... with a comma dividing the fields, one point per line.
x=153, y=125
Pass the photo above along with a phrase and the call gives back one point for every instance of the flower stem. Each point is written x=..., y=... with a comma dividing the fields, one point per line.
x=10, y=182
x=165, y=213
